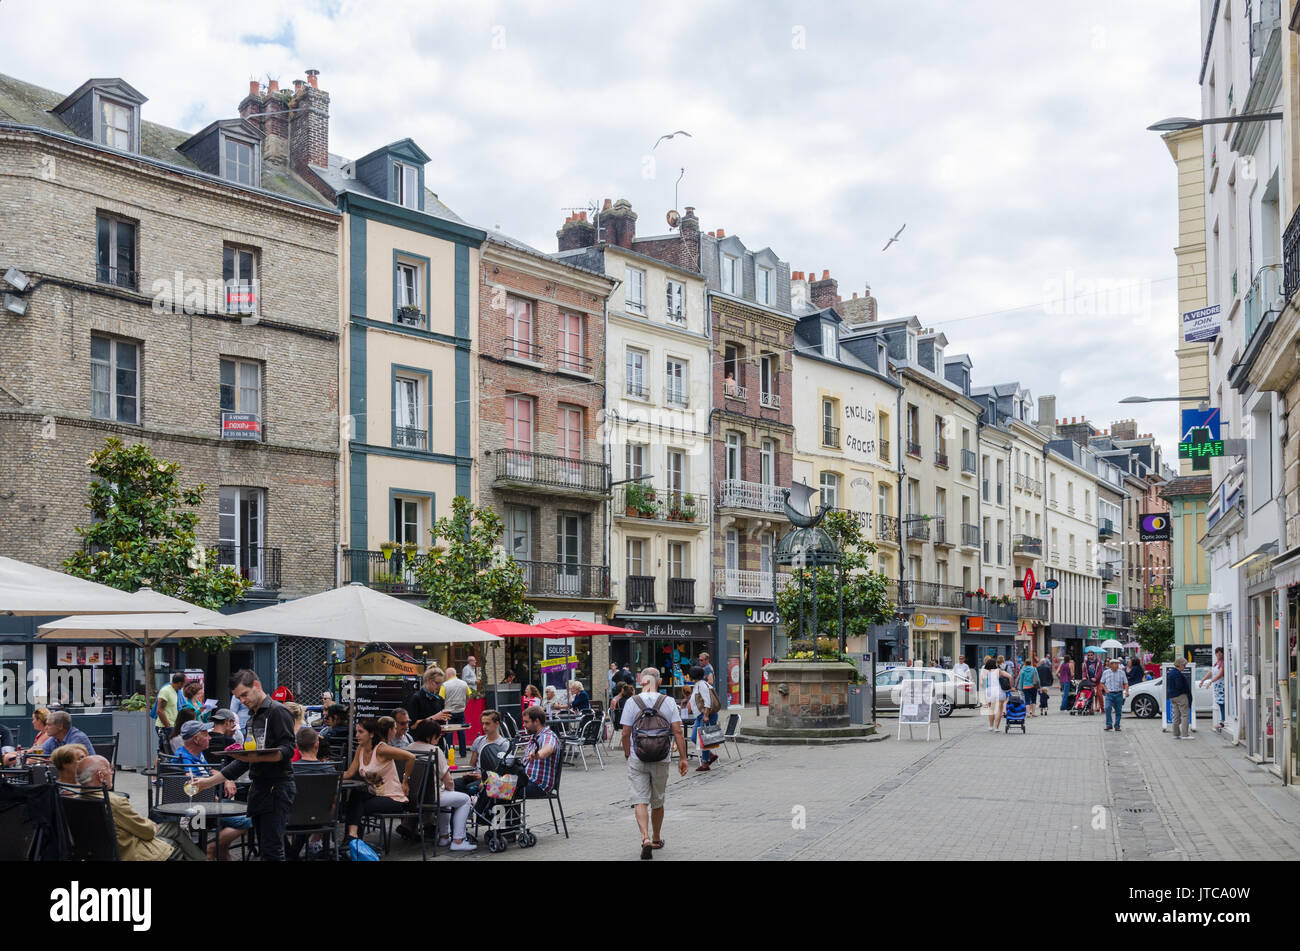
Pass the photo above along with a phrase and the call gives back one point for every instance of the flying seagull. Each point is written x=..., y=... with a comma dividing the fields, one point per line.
x=894, y=238
x=669, y=136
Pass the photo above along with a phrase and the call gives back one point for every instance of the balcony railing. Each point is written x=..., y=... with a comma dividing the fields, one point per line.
x=676, y=396
x=573, y=362
x=930, y=594
x=637, y=390
x=113, y=275
x=941, y=536
x=968, y=461
x=410, y=437
x=554, y=579
x=411, y=317
x=1105, y=528
x=1264, y=290
x=992, y=609
x=1291, y=256
x=667, y=505
x=733, y=493
x=1107, y=572
x=258, y=563
x=769, y=400
x=887, y=529
x=970, y=535
x=640, y=592
x=918, y=529
x=748, y=585
x=681, y=595
x=1026, y=545
x=734, y=391
x=521, y=350
x=941, y=460
x=1116, y=617
x=914, y=449
x=831, y=436
x=394, y=574
x=884, y=450
x=556, y=472
x=1036, y=609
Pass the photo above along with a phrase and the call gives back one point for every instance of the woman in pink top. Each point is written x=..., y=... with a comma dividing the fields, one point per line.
x=376, y=762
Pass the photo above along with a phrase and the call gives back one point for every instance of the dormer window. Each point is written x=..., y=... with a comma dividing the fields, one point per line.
x=830, y=341
x=938, y=361
x=116, y=124
x=407, y=181
x=911, y=349
x=237, y=161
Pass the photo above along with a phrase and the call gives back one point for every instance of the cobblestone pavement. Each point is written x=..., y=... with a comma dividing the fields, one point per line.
x=1064, y=790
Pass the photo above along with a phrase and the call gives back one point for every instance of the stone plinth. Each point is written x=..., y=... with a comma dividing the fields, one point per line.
x=808, y=702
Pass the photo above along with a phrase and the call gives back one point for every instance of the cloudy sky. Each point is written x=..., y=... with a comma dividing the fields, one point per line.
x=1009, y=137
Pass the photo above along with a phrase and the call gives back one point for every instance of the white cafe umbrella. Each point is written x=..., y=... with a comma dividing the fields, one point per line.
x=29, y=591
x=363, y=616
x=1112, y=645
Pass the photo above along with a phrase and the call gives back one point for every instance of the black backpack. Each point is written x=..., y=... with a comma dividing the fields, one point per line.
x=651, y=734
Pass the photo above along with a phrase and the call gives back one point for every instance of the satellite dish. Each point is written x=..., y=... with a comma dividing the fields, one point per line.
x=673, y=218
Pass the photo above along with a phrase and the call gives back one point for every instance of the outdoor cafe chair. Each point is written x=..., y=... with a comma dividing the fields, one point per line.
x=87, y=820
x=588, y=735
x=316, y=807
x=418, y=803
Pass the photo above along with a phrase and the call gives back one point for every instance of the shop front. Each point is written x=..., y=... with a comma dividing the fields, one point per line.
x=551, y=661
x=982, y=638
x=933, y=639
x=1286, y=570
x=671, y=644
x=752, y=638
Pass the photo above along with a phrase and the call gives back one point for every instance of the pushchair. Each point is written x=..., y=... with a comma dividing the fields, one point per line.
x=1083, y=699
x=1015, y=711
x=504, y=819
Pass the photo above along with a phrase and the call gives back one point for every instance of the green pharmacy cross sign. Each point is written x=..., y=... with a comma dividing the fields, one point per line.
x=1200, y=448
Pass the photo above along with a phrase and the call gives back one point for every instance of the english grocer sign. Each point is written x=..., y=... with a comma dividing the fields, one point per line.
x=860, y=430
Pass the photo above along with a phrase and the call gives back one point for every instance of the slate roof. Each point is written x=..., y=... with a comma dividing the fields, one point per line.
x=332, y=175
x=23, y=103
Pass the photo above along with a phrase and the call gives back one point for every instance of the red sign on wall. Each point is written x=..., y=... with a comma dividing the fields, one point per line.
x=1029, y=584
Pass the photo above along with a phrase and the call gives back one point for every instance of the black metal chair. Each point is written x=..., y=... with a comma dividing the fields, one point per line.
x=316, y=807
x=418, y=805
x=17, y=830
x=729, y=735
x=553, y=798
x=106, y=746
x=588, y=735
x=509, y=725
x=87, y=820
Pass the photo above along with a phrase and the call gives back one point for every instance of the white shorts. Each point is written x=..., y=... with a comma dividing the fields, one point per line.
x=648, y=782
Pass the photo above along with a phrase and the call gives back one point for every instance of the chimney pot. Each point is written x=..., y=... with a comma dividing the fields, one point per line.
x=826, y=275
x=713, y=234
x=721, y=233
x=312, y=75
x=297, y=86
x=253, y=87
x=690, y=211
x=273, y=87
x=855, y=295
x=606, y=205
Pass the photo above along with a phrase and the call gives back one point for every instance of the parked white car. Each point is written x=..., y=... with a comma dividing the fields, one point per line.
x=951, y=691
x=1147, y=699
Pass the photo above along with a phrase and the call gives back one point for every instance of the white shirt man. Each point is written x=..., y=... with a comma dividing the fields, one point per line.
x=470, y=673
x=456, y=692
x=649, y=781
x=962, y=669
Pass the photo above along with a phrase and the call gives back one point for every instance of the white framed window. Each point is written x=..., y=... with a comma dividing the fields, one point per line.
x=237, y=161
x=570, y=349
x=731, y=551
x=830, y=432
x=635, y=376
x=635, y=290
x=767, y=462
x=115, y=251
x=830, y=486
x=634, y=460
x=733, y=456
x=240, y=527
x=679, y=559
x=406, y=180
x=676, y=471
x=676, y=295
x=114, y=379
x=882, y=490
x=409, y=431
x=239, y=278
x=241, y=386
x=636, y=561
x=519, y=423
x=116, y=124
x=730, y=274
x=675, y=383
x=407, y=521
x=830, y=341
x=766, y=544
x=767, y=374
x=519, y=329
x=763, y=285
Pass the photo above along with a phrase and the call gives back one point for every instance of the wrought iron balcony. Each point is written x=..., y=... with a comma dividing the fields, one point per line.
x=1116, y=617
x=392, y=572
x=411, y=317
x=968, y=461
x=567, y=360
x=562, y=579
x=930, y=594
x=734, y=391
x=1291, y=256
x=675, y=395
x=640, y=594
x=1107, y=572
x=258, y=563
x=748, y=585
x=733, y=493
x=1036, y=609
x=681, y=595
x=637, y=390
x=664, y=505
x=1264, y=290
x=521, y=350
x=918, y=528
x=941, y=460
x=914, y=449
x=887, y=529
x=1105, y=528
x=551, y=474
x=993, y=609
x=1027, y=546
x=831, y=436
x=970, y=535
x=941, y=536
x=410, y=437
x=769, y=400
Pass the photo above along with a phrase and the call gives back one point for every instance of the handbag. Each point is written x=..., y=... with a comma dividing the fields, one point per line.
x=361, y=852
x=499, y=786
x=710, y=736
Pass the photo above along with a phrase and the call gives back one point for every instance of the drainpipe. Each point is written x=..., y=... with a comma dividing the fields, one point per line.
x=902, y=535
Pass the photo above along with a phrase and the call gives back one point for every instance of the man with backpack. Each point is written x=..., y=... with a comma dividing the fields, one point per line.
x=655, y=724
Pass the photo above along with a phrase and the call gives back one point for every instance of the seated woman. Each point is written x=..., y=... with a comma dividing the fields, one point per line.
x=376, y=762
x=65, y=759
x=532, y=697
x=453, y=806
x=579, y=699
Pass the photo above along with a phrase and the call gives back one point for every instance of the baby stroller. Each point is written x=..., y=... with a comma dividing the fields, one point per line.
x=1015, y=713
x=1083, y=699
x=504, y=819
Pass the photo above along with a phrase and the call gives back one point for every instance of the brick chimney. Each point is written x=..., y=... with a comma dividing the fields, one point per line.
x=824, y=293
x=857, y=311
x=1124, y=429
x=688, y=229
x=576, y=232
x=619, y=223
x=1047, y=414
x=309, y=127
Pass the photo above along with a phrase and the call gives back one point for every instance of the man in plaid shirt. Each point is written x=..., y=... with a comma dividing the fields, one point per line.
x=542, y=754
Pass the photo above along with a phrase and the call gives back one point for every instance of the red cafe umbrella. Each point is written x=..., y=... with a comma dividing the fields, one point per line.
x=572, y=627
x=508, y=628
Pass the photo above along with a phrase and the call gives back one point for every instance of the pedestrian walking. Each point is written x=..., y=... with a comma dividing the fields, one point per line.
x=654, y=724
x=705, y=705
x=994, y=693
x=1029, y=682
x=1065, y=674
x=1178, y=688
x=961, y=668
x=1114, y=685
x=1135, y=671
x=1092, y=671
x=1215, y=677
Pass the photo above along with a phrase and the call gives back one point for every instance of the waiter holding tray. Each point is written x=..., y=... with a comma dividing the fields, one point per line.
x=267, y=757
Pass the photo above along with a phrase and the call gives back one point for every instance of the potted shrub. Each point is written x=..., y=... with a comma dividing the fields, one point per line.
x=386, y=549
x=410, y=316
x=634, y=499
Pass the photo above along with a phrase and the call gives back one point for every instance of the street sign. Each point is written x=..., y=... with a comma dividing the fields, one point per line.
x=1050, y=583
x=1029, y=584
x=1200, y=419
x=1154, y=527
x=1199, y=444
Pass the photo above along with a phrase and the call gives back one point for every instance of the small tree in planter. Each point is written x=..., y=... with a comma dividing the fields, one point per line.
x=688, y=508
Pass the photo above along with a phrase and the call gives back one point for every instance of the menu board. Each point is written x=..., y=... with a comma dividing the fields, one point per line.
x=377, y=696
x=916, y=701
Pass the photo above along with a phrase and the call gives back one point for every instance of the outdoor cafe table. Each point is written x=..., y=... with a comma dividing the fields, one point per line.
x=211, y=810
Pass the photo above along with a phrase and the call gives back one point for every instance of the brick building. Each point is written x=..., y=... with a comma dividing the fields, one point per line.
x=541, y=386
x=183, y=294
